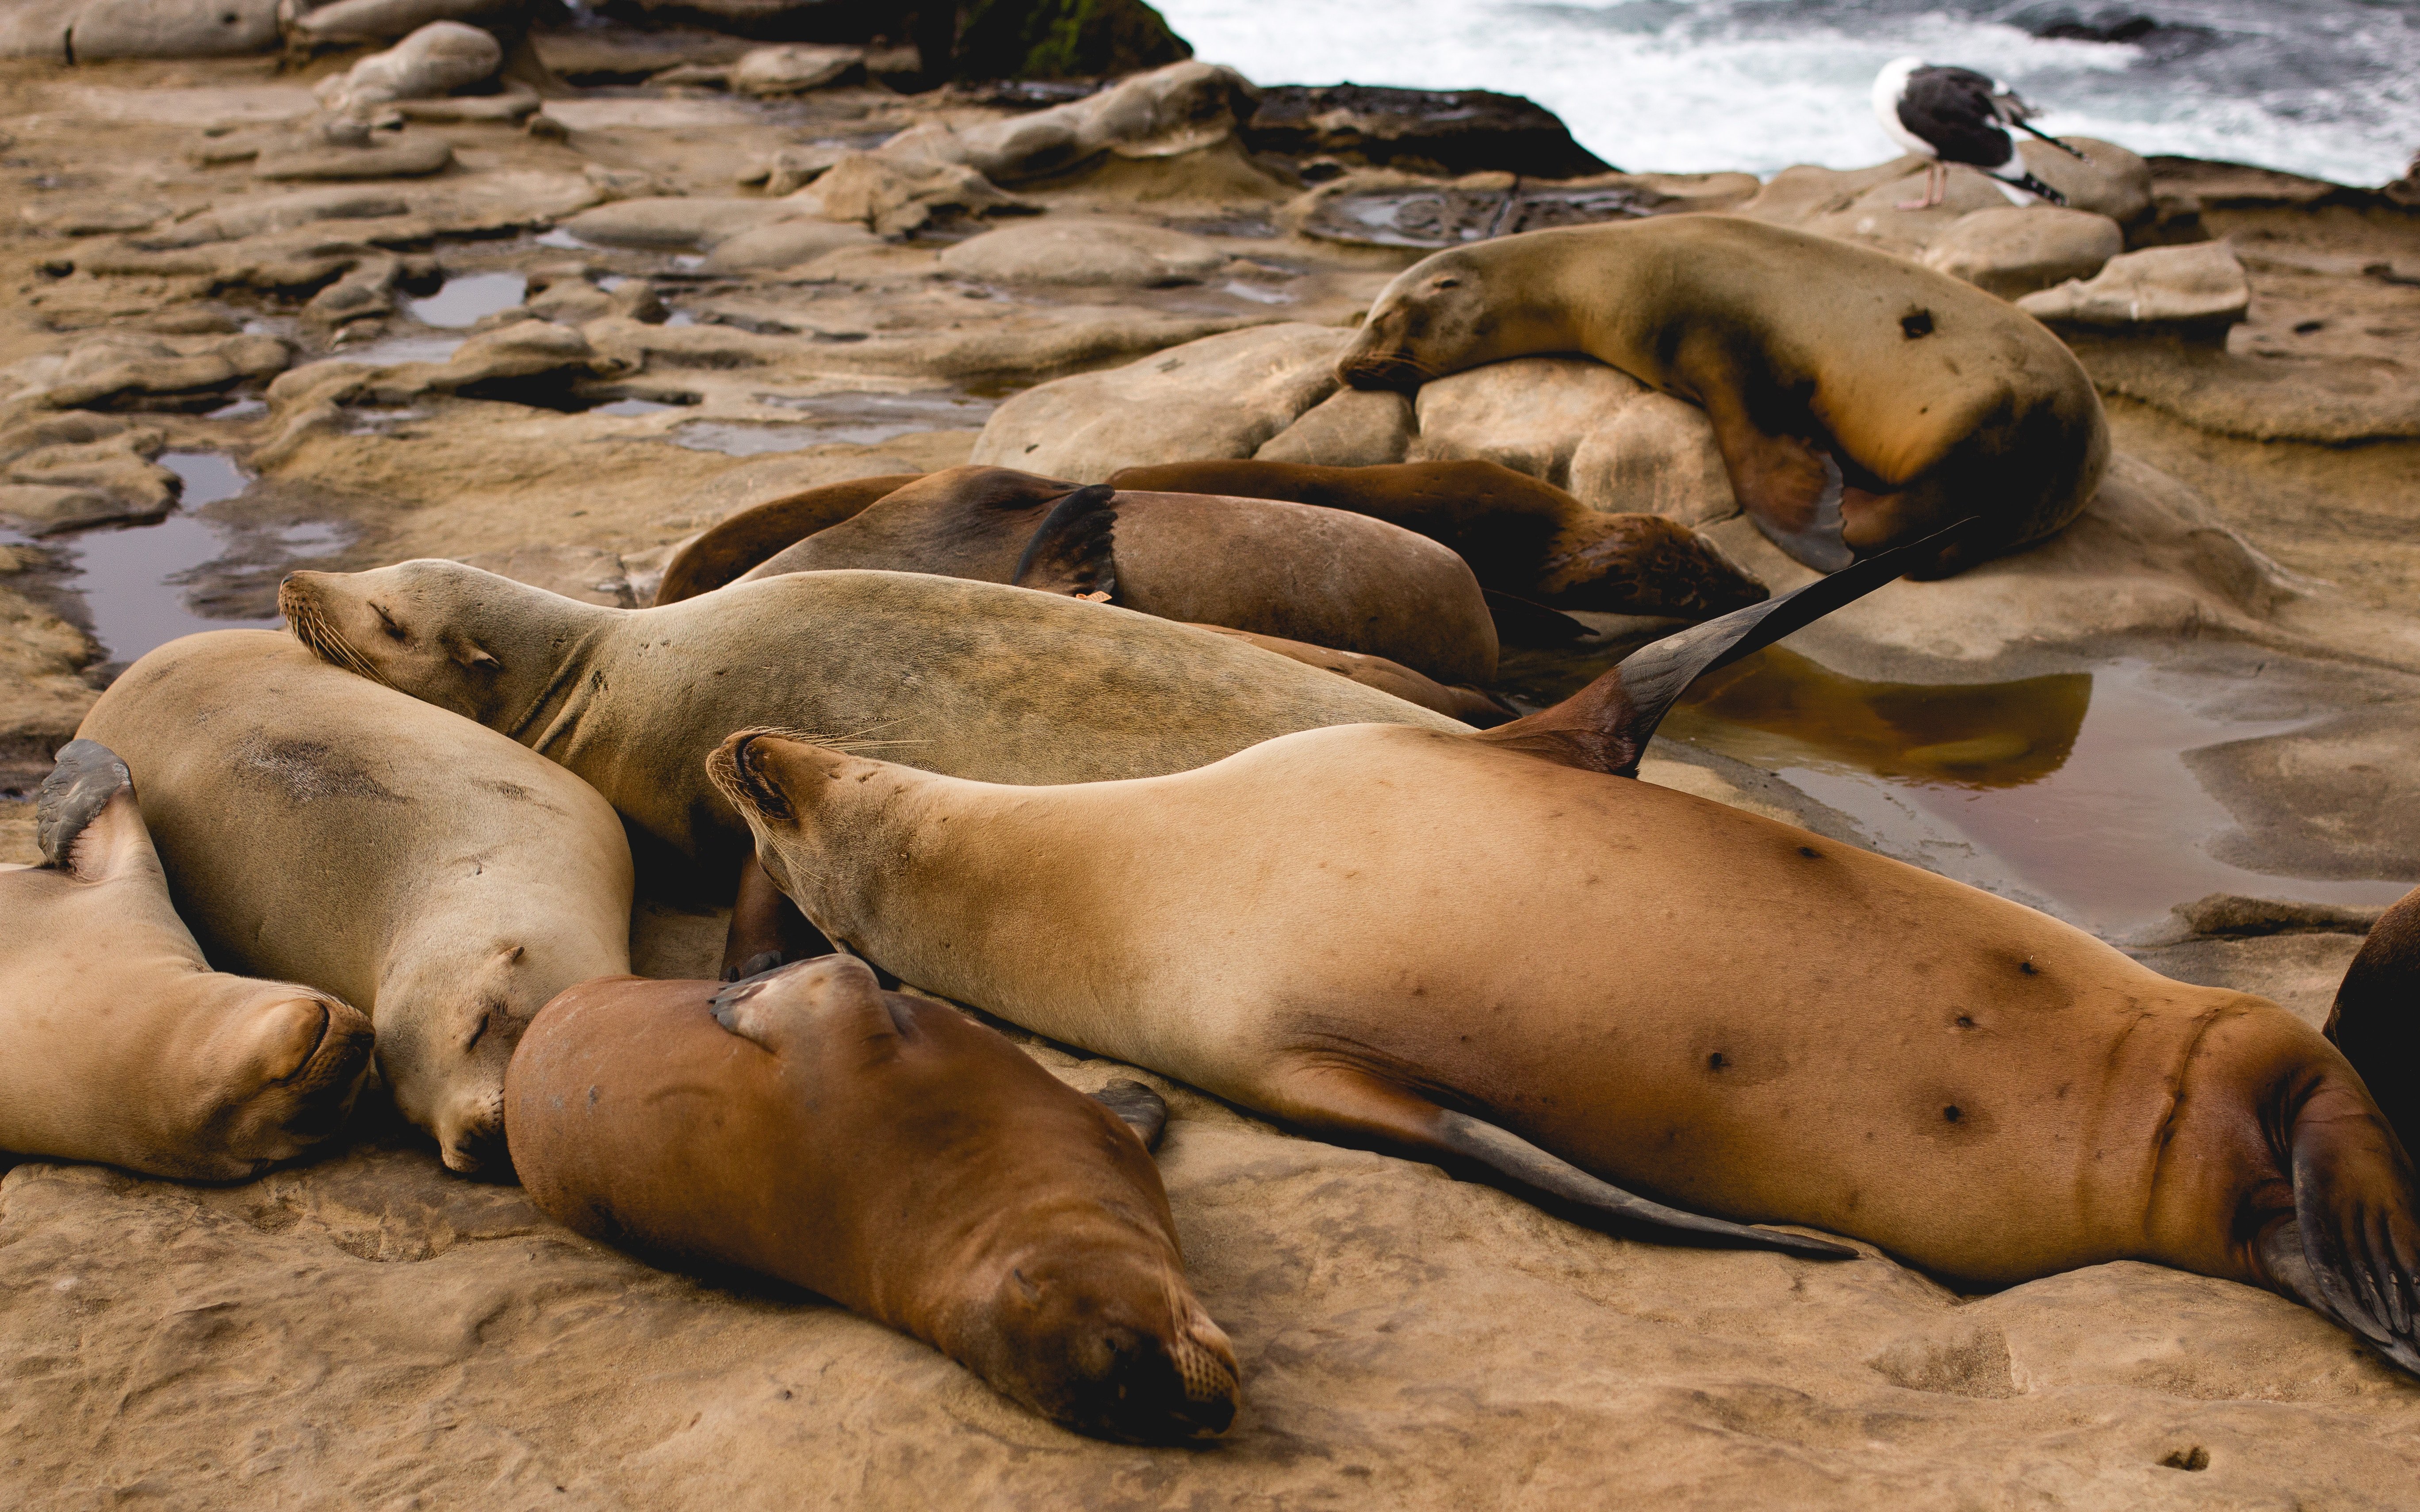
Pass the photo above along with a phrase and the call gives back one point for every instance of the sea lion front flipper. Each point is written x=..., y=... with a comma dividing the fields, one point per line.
x=79, y=823
x=1355, y=1107
x=2376, y=1019
x=766, y=929
x=1788, y=486
x=1605, y=726
x=1138, y=1108
x=1521, y=622
x=1073, y=550
x=2354, y=1215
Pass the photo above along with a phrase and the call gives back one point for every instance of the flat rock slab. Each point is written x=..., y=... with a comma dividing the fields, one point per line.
x=411, y=158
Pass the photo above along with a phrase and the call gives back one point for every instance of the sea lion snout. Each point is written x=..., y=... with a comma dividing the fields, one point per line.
x=1119, y=1351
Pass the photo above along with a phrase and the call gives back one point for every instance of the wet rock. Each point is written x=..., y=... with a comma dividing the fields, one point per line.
x=1062, y=40
x=438, y=59
x=2011, y=252
x=1386, y=208
x=1221, y=396
x=128, y=372
x=1529, y=414
x=794, y=70
x=396, y=157
x=39, y=509
x=2197, y=290
x=171, y=29
x=1422, y=131
x=1655, y=456
x=1086, y=250
x=383, y=20
x=1350, y=429
x=2330, y=800
x=587, y=572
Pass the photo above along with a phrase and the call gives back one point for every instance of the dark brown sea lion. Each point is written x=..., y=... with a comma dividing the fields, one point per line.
x=117, y=1041
x=733, y=545
x=891, y=1154
x=1323, y=576
x=1972, y=1086
x=2376, y=1020
x=1520, y=534
x=1860, y=401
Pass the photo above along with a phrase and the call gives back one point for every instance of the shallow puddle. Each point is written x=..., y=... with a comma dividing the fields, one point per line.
x=468, y=299
x=2069, y=792
x=860, y=419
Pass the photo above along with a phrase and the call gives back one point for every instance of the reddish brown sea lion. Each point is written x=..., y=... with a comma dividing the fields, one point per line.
x=2376, y=1020
x=889, y=1153
x=1520, y=534
x=1860, y=401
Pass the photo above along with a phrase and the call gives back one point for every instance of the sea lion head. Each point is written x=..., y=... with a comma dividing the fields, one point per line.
x=1434, y=312
x=272, y=1076
x=448, y=1025
x=445, y=632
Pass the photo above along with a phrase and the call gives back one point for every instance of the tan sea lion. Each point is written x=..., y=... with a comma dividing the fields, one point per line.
x=890, y=1153
x=733, y=545
x=1323, y=576
x=317, y=826
x=117, y=1041
x=1860, y=401
x=1883, y=1053
x=2376, y=1019
x=1521, y=535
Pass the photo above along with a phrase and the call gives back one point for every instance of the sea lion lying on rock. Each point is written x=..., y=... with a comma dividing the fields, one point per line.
x=317, y=827
x=2376, y=1018
x=1275, y=568
x=117, y=1041
x=1968, y=1084
x=777, y=1125
x=1860, y=401
x=1520, y=534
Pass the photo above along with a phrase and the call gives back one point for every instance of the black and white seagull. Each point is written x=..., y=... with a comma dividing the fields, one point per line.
x=1958, y=116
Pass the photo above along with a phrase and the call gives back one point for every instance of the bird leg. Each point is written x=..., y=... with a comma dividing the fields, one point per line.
x=1936, y=188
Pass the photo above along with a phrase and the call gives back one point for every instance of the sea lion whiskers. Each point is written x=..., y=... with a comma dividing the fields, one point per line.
x=320, y=634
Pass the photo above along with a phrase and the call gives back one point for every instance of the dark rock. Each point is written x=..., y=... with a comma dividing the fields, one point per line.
x=769, y=20
x=1429, y=130
x=1062, y=40
x=2162, y=39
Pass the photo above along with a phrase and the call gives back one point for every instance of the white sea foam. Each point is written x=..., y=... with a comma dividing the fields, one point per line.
x=2325, y=87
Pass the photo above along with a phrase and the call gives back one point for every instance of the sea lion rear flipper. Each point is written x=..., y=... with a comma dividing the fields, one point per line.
x=78, y=822
x=1355, y=1107
x=766, y=929
x=1604, y=727
x=1073, y=550
x=1520, y=622
x=1138, y=1108
x=2355, y=1218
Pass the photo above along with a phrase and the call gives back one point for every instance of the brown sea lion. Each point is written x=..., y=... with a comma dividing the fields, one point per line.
x=734, y=545
x=1860, y=401
x=320, y=827
x=1521, y=535
x=890, y=1153
x=1323, y=576
x=2376, y=1020
x=1972, y=1086
x=117, y=1041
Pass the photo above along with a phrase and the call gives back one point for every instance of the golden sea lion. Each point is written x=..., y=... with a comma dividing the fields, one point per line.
x=1860, y=401
x=318, y=828
x=1521, y=535
x=890, y=1153
x=1480, y=950
x=117, y=1041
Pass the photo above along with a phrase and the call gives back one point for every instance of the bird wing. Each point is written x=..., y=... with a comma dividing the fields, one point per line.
x=1953, y=109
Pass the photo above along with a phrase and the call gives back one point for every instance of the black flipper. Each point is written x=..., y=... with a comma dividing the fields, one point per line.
x=77, y=792
x=766, y=929
x=2077, y=153
x=1605, y=726
x=1073, y=550
x=2376, y=1021
x=1519, y=622
x=2355, y=1219
x=1138, y=1106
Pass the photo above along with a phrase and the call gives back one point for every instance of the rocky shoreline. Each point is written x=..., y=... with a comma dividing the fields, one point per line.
x=556, y=328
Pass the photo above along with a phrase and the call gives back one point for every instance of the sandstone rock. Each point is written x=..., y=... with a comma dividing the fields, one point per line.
x=1086, y=250
x=787, y=169
x=793, y=71
x=784, y=245
x=511, y=102
x=38, y=29
x=2111, y=181
x=85, y=217
x=172, y=28
x=1863, y=204
x=120, y=467
x=260, y=214
x=1425, y=130
x=1178, y=109
x=892, y=195
x=1530, y=414
x=587, y=572
x=438, y=59
x=383, y=20
x=675, y=223
x=39, y=509
x=1062, y=40
x=405, y=157
x=2197, y=290
x=1350, y=429
x=2332, y=799
x=1655, y=456
x=2011, y=252
x=1387, y=208
x=108, y=371
x=1223, y=396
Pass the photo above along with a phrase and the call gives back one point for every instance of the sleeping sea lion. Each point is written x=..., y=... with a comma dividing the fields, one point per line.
x=1521, y=535
x=1860, y=401
x=890, y=1153
x=1973, y=1085
x=1295, y=571
x=725, y=550
x=117, y=1041
x=2376, y=1020
x=320, y=827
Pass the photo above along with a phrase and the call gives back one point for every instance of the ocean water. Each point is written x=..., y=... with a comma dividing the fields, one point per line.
x=2325, y=87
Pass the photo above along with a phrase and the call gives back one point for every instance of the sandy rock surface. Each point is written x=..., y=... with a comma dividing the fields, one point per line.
x=447, y=364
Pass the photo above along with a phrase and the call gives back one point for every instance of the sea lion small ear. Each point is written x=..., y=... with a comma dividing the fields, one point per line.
x=1073, y=550
x=472, y=656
